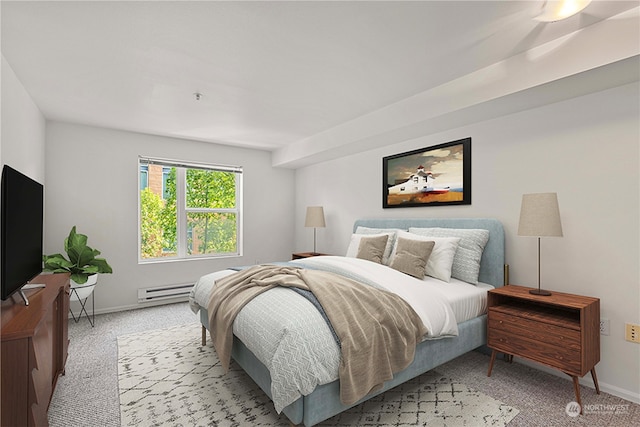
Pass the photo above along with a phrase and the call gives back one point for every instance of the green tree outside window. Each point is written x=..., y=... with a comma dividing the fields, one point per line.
x=211, y=214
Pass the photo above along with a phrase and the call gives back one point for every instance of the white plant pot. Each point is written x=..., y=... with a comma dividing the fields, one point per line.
x=81, y=292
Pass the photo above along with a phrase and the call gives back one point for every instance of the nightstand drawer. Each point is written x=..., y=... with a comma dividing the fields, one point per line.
x=566, y=359
x=535, y=330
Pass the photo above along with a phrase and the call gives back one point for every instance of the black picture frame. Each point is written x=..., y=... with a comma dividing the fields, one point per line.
x=439, y=175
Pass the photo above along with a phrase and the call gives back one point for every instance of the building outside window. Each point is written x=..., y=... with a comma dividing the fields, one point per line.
x=188, y=210
x=165, y=176
x=144, y=177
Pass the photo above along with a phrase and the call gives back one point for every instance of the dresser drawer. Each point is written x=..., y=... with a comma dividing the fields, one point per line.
x=563, y=358
x=544, y=333
x=41, y=363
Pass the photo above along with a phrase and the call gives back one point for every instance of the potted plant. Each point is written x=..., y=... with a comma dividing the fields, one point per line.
x=82, y=263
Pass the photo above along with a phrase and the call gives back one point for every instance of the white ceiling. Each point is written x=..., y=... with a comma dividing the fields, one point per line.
x=271, y=74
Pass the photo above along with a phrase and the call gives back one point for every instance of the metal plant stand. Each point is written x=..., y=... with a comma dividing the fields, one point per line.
x=83, y=307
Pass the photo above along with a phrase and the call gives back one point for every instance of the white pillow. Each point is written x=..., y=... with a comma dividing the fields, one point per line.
x=441, y=260
x=466, y=264
x=354, y=244
x=391, y=232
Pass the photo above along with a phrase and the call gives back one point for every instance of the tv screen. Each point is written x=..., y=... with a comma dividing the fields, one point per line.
x=22, y=230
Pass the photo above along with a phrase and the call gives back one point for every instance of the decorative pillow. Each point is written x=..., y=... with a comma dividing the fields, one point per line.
x=371, y=248
x=441, y=259
x=466, y=263
x=354, y=244
x=410, y=256
x=391, y=232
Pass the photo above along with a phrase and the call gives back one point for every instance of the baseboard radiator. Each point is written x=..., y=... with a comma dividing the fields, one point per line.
x=164, y=292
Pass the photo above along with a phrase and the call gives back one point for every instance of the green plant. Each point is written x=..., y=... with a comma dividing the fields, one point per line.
x=82, y=261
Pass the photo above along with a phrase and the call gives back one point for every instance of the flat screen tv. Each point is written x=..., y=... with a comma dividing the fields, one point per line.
x=22, y=230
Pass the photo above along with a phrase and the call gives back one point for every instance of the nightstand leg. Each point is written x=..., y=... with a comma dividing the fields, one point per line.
x=576, y=388
x=595, y=379
x=493, y=359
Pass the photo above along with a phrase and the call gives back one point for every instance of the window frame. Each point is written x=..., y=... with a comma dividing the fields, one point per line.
x=182, y=210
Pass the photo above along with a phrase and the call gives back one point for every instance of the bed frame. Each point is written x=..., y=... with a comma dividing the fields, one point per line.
x=324, y=402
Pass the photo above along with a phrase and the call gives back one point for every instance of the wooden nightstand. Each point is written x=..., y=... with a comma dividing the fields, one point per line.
x=300, y=255
x=561, y=331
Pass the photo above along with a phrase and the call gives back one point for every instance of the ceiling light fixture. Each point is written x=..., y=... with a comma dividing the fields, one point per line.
x=556, y=10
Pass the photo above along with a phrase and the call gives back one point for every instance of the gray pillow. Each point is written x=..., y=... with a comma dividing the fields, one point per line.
x=411, y=256
x=392, y=239
x=372, y=248
x=466, y=263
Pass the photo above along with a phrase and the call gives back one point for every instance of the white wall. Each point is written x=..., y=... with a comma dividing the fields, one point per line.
x=585, y=149
x=23, y=128
x=92, y=182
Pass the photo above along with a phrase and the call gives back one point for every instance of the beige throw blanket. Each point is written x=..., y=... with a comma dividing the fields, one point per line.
x=378, y=330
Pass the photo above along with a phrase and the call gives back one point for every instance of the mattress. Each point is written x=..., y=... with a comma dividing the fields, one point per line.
x=467, y=301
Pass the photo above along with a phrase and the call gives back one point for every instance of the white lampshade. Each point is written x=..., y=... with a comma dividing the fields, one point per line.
x=315, y=217
x=540, y=215
x=557, y=10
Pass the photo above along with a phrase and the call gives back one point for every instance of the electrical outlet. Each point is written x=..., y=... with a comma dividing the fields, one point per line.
x=632, y=332
x=604, y=326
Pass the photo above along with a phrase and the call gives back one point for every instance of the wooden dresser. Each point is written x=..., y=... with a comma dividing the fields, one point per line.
x=34, y=350
x=561, y=331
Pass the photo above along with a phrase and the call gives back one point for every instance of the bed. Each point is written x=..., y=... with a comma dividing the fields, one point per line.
x=466, y=301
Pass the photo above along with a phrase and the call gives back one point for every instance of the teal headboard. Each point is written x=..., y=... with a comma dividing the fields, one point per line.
x=492, y=262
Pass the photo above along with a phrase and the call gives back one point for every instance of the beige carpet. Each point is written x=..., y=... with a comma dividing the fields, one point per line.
x=166, y=378
x=87, y=395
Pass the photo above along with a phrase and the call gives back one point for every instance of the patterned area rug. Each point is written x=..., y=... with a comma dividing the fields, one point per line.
x=166, y=377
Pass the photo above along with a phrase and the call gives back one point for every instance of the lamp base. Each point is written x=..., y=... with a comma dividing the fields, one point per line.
x=541, y=292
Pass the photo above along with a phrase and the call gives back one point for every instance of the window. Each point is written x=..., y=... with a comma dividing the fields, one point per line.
x=188, y=210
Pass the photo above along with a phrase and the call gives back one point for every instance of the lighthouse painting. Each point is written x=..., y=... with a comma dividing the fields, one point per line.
x=432, y=176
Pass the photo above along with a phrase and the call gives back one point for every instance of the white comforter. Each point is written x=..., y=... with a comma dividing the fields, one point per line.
x=290, y=337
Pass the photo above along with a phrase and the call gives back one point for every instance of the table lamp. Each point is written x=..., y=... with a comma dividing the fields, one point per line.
x=315, y=219
x=540, y=217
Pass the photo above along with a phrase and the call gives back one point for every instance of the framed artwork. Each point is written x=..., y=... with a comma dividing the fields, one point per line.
x=432, y=176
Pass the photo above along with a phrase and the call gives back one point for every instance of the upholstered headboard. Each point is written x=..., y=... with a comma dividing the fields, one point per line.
x=492, y=262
